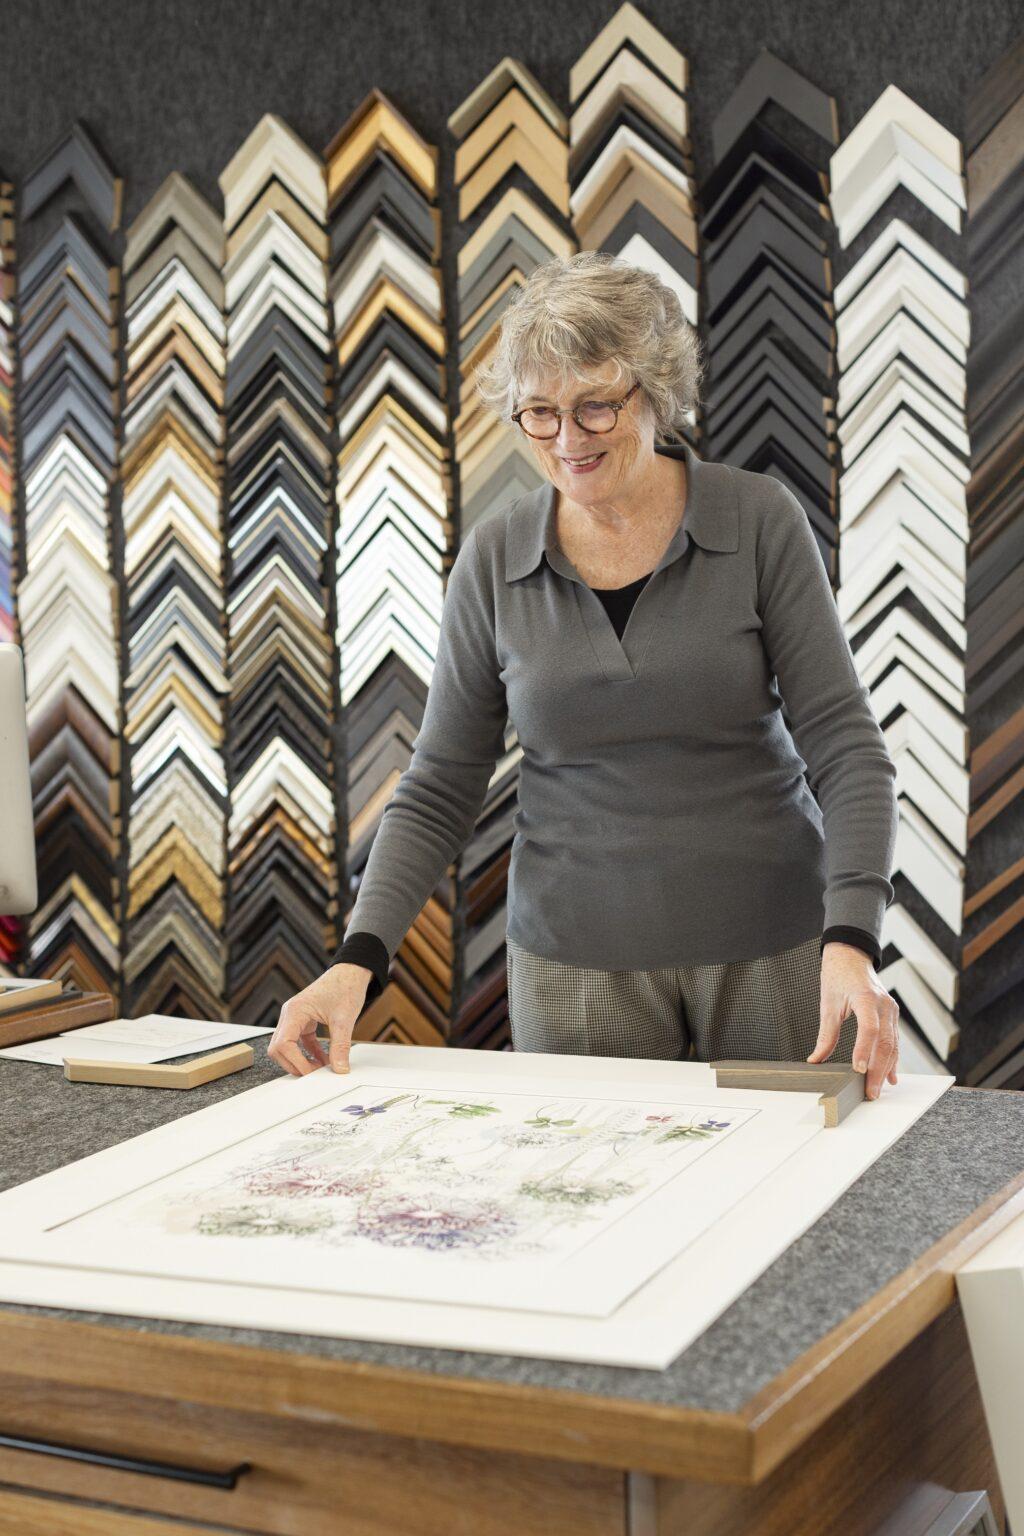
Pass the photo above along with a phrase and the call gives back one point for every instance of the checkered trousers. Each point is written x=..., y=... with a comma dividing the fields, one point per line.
x=766, y=1009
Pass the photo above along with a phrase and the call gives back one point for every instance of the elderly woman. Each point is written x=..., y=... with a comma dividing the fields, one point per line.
x=643, y=618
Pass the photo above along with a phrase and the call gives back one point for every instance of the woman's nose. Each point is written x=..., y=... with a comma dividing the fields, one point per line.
x=570, y=436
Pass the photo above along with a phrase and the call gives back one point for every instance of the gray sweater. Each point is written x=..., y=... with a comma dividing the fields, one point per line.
x=664, y=816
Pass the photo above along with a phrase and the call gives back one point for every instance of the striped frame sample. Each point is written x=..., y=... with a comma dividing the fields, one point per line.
x=67, y=596
x=282, y=829
x=7, y=354
x=11, y=928
x=172, y=491
x=992, y=963
x=903, y=329
x=393, y=491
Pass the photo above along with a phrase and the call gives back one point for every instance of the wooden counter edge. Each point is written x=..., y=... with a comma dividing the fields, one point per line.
x=788, y=1409
x=624, y=1433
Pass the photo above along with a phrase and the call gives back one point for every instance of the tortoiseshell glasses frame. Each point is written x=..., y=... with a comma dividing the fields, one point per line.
x=554, y=418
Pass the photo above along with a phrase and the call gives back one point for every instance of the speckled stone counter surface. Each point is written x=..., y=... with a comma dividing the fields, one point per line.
x=965, y=1148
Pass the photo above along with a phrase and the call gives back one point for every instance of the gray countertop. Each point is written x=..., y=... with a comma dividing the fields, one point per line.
x=965, y=1148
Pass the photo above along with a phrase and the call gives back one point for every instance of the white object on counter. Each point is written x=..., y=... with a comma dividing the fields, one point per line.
x=153, y=1037
x=991, y=1290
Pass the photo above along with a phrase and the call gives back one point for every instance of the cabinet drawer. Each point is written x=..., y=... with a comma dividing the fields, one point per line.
x=27, y=1514
x=305, y=1477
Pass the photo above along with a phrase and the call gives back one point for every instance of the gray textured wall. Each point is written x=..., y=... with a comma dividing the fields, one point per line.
x=179, y=85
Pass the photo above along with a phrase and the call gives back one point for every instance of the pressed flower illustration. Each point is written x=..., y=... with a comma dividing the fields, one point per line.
x=445, y=1225
x=499, y=1178
x=562, y=1192
x=685, y=1133
x=466, y=1111
x=262, y=1221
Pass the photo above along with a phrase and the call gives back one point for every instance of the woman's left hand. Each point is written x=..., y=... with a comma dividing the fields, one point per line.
x=849, y=985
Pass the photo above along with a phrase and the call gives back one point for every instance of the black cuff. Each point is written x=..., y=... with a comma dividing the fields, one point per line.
x=855, y=936
x=366, y=949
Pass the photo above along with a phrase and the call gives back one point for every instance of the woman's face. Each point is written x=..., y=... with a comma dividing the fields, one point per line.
x=624, y=453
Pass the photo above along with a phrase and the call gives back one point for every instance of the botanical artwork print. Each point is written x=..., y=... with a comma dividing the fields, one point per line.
x=494, y=1176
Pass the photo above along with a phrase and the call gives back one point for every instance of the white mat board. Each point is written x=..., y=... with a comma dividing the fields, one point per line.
x=634, y=1286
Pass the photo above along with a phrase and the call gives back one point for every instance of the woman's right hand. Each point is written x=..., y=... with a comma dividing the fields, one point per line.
x=335, y=999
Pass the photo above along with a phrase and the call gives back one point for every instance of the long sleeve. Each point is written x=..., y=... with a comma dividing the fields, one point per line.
x=855, y=936
x=367, y=950
x=618, y=604
x=438, y=798
x=831, y=720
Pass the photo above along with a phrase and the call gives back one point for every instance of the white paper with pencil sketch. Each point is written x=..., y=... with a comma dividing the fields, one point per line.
x=604, y=1210
x=149, y=1038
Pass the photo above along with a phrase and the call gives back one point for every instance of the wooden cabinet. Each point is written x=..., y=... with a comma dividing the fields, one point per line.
x=305, y=1478
x=26, y=1514
x=317, y=1467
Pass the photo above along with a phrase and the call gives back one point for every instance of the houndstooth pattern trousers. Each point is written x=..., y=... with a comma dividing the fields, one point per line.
x=766, y=1009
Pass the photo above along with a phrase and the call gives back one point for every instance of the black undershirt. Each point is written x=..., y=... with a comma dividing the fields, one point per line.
x=368, y=950
x=618, y=601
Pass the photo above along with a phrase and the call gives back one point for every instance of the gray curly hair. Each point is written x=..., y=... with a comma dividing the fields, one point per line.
x=592, y=308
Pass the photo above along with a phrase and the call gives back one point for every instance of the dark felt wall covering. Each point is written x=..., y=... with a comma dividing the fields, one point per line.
x=178, y=85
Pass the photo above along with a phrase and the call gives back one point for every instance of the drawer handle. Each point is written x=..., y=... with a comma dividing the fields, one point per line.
x=129, y=1463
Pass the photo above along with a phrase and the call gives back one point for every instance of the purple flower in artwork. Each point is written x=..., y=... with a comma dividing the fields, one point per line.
x=401, y=1222
x=715, y=1125
x=360, y=1110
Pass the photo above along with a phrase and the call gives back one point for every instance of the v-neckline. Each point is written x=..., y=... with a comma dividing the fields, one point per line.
x=621, y=659
x=615, y=591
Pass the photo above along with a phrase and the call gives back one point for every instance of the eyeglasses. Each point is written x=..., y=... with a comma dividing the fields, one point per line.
x=591, y=415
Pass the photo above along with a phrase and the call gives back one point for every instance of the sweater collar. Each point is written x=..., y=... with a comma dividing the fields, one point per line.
x=711, y=518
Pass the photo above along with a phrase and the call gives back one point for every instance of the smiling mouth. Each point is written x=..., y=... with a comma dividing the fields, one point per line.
x=587, y=458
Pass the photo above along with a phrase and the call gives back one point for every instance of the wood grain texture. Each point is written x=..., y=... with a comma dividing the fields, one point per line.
x=44, y=1018
x=27, y=1514
x=306, y=1478
x=161, y=1074
x=919, y=1421
x=567, y=1426
x=840, y=1088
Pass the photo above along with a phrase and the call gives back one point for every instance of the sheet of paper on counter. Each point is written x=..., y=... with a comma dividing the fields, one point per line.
x=153, y=1037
